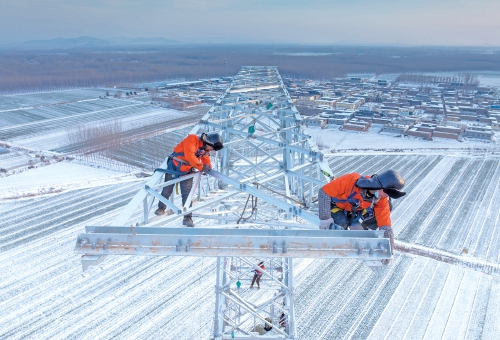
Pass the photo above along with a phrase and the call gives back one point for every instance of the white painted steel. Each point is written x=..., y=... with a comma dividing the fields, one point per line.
x=265, y=143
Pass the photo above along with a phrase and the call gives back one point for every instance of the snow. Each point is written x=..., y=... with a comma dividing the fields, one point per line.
x=9, y=102
x=46, y=295
x=172, y=297
x=57, y=178
x=332, y=138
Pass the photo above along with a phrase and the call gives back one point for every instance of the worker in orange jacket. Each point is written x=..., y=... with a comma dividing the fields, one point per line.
x=258, y=274
x=193, y=152
x=358, y=202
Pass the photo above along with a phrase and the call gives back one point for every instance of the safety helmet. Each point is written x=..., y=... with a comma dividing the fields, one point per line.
x=213, y=139
x=390, y=181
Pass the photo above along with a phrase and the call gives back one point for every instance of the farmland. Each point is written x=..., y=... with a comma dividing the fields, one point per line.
x=452, y=206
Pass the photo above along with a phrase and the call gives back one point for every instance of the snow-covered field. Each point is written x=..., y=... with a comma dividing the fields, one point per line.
x=337, y=141
x=30, y=128
x=452, y=206
x=58, y=177
x=13, y=102
x=47, y=295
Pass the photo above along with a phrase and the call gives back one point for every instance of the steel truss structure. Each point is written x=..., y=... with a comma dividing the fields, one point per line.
x=256, y=205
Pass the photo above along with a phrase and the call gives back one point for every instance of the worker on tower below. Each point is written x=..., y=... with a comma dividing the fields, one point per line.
x=193, y=152
x=258, y=274
x=358, y=202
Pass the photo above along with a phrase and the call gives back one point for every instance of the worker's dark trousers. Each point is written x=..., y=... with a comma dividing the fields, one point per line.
x=256, y=278
x=185, y=185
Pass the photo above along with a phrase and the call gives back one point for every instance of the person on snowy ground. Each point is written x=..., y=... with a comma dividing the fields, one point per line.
x=358, y=202
x=257, y=275
x=193, y=152
x=263, y=329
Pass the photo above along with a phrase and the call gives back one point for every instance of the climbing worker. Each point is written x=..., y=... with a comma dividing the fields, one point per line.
x=282, y=320
x=193, y=152
x=358, y=202
x=257, y=275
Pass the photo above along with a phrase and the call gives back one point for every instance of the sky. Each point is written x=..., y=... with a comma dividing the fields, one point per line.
x=405, y=22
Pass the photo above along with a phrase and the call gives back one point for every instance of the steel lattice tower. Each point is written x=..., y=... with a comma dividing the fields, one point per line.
x=256, y=205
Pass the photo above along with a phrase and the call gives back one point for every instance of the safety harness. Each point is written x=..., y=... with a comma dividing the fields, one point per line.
x=354, y=213
x=175, y=170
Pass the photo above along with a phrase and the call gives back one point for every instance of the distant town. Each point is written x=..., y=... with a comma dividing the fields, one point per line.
x=426, y=107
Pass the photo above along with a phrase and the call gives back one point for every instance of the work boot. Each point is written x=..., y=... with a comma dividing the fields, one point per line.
x=160, y=211
x=188, y=221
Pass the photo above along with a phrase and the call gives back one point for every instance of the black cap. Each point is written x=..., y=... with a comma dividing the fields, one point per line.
x=390, y=181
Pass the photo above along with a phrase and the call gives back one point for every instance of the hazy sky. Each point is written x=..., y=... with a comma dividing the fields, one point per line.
x=410, y=22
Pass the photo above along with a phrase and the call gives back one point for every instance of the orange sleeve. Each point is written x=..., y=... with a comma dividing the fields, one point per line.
x=206, y=159
x=382, y=212
x=190, y=146
x=341, y=186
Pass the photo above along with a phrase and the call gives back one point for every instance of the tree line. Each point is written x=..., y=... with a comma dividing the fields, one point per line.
x=24, y=71
x=467, y=79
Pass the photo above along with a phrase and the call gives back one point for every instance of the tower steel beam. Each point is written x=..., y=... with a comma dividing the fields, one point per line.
x=264, y=183
x=368, y=245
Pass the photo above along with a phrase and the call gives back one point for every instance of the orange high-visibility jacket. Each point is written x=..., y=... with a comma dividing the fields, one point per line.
x=194, y=153
x=341, y=187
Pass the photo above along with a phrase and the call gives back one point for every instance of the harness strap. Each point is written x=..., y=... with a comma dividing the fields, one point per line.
x=352, y=201
x=179, y=160
x=174, y=169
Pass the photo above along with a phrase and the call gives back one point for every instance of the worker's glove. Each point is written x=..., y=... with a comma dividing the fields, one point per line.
x=388, y=233
x=206, y=168
x=325, y=224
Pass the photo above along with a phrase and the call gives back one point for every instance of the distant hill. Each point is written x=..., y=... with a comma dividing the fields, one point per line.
x=144, y=41
x=66, y=43
x=86, y=41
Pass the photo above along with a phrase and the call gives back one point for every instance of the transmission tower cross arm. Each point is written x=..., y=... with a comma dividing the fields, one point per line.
x=366, y=245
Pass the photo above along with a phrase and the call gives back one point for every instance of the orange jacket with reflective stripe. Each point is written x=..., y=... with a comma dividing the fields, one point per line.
x=341, y=187
x=190, y=146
